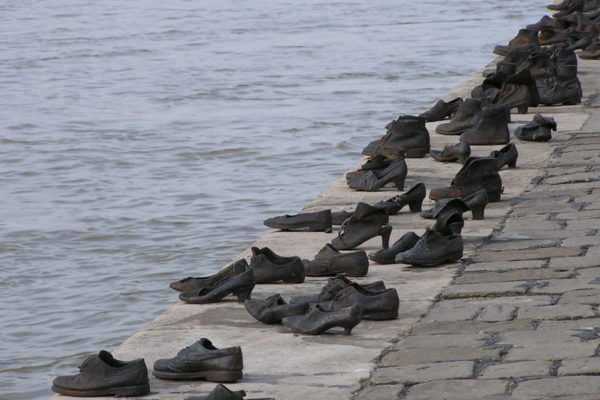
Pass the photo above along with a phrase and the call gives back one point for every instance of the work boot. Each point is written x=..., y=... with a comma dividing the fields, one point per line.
x=330, y=262
x=413, y=197
x=317, y=320
x=520, y=91
x=466, y=116
x=388, y=256
x=319, y=221
x=537, y=130
x=365, y=223
x=453, y=152
x=506, y=156
x=561, y=91
x=269, y=267
x=273, y=309
x=476, y=173
x=432, y=249
x=441, y=110
x=333, y=286
x=407, y=133
x=190, y=283
x=563, y=54
x=376, y=179
x=492, y=127
x=525, y=39
x=375, y=305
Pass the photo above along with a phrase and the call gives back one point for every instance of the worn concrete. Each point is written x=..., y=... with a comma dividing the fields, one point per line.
x=519, y=321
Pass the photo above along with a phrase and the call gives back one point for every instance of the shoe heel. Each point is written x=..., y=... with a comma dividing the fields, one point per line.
x=223, y=376
x=478, y=212
x=399, y=183
x=132, y=391
x=493, y=197
x=348, y=330
x=385, y=233
x=243, y=293
x=522, y=109
x=416, y=206
x=512, y=163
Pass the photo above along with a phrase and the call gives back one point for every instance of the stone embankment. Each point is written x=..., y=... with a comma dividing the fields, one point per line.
x=517, y=318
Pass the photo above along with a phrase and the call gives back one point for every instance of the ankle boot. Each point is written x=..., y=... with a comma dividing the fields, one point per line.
x=537, y=130
x=273, y=309
x=388, y=256
x=563, y=54
x=375, y=305
x=376, y=163
x=365, y=223
x=432, y=249
x=592, y=51
x=316, y=320
x=319, y=221
x=547, y=22
x=565, y=89
x=563, y=5
x=373, y=180
x=188, y=284
x=525, y=39
x=441, y=110
x=506, y=156
x=550, y=36
x=477, y=203
x=239, y=285
x=574, y=5
x=466, y=116
x=413, y=197
x=407, y=133
x=453, y=152
x=269, y=267
x=333, y=286
x=520, y=91
x=476, y=174
x=492, y=127
x=330, y=262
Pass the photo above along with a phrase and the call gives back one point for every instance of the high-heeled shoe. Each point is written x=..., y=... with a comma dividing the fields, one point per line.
x=188, y=284
x=477, y=203
x=269, y=267
x=371, y=180
x=506, y=156
x=388, y=256
x=413, y=197
x=316, y=320
x=375, y=305
x=239, y=285
x=365, y=223
x=452, y=152
x=273, y=309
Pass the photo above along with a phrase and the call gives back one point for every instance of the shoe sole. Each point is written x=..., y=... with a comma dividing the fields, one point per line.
x=213, y=376
x=123, y=391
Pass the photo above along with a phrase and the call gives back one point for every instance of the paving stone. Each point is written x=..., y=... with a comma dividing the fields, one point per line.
x=484, y=289
x=554, y=350
x=417, y=373
x=497, y=312
x=437, y=354
x=579, y=214
x=460, y=389
x=449, y=340
x=441, y=312
x=380, y=392
x=584, y=223
x=519, y=224
x=581, y=240
x=515, y=275
x=580, y=366
x=504, y=265
x=574, y=262
x=583, y=296
x=559, y=286
x=527, y=254
x=572, y=178
x=569, y=326
x=517, y=369
x=558, y=312
x=503, y=245
x=471, y=327
x=556, y=387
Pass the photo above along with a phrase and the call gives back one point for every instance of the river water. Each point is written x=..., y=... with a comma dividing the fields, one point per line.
x=142, y=142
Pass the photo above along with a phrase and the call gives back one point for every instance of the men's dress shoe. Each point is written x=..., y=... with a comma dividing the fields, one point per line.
x=441, y=110
x=103, y=375
x=273, y=309
x=452, y=152
x=372, y=180
x=333, y=286
x=365, y=223
x=407, y=135
x=375, y=305
x=432, y=249
x=240, y=285
x=413, y=197
x=475, y=174
x=466, y=116
x=319, y=221
x=202, y=360
x=492, y=127
x=220, y=392
x=537, y=130
x=388, y=256
x=316, y=320
x=330, y=262
x=506, y=156
x=269, y=267
x=190, y=283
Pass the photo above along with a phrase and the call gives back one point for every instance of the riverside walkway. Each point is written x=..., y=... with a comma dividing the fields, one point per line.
x=517, y=319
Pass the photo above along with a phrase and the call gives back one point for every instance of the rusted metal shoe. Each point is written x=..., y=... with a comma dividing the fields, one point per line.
x=466, y=116
x=273, y=309
x=492, y=127
x=372, y=180
x=453, y=152
x=191, y=283
x=433, y=249
x=319, y=221
x=333, y=286
x=388, y=256
x=441, y=110
x=507, y=155
x=330, y=262
x=365, y=223
x=269, y=267
x=537, y=130
x=413, y=197
x=316, y=320
x=375, y=305
x=240, y=285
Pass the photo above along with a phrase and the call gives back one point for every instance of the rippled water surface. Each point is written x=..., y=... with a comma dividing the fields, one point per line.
x=144, y=141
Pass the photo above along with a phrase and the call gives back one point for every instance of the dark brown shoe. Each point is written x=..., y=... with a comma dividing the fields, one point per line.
x=365, y=223
x=441, y=110
x=330, y=262
x=520, y=91
x=388, y=256
x=316, y=320
x=378, y=305
x=269, y=267
x=372, y=180
x=453, y=152
x=477, y=203
x=220, y=392
x=537, y=130
x=524, y=40
x=413, y=197
x=433, y=249
x=408, y=134
x=319, y=221
x=240, y=285
x=273, y=309
x=188, y=284
x=507, y=155
x=333, y=286
x=466, y=116
x=492, y=127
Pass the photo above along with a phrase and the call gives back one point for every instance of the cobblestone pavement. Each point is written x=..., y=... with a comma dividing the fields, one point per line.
x=520, y=319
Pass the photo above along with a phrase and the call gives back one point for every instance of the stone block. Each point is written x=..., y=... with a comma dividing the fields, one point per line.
x=583, y=296
x=497, y=312
x=380, y=392
x=554, y=350
x=437, y=354
x=503, y=245
x=573, y=262
x=418, y=373
x=463, y=389
x=446, y=340
x=557, y=312
x=504, y=265
x=527, y=254
x=515, y=275
x=580, y=366
x=557, y=387
x=471, y=327
x=518, y=369
x=484, y=290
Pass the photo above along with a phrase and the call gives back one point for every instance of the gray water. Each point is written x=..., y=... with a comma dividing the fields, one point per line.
x=145, y=141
